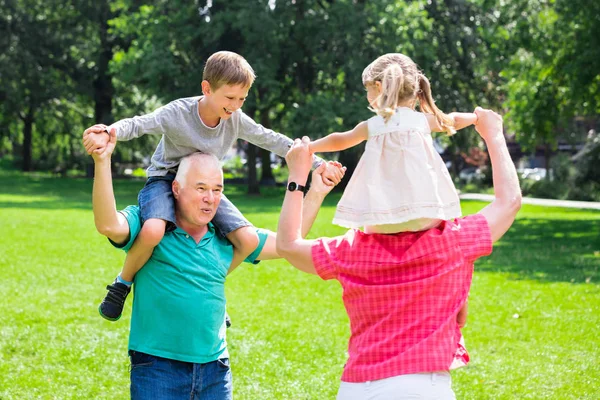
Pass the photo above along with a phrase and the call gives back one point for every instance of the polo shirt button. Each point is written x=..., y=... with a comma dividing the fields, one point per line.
x=187, y=236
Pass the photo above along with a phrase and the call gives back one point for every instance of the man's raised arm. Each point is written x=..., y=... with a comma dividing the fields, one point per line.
x=501, y=213
x=108, y=221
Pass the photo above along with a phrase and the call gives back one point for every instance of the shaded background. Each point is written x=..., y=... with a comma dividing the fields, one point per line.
x=67, y=64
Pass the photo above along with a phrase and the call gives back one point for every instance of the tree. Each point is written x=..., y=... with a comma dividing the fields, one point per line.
x=550, y=79
x=308, y=55
x=37, y=39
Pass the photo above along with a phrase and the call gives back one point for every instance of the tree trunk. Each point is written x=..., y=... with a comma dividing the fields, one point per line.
x=266, y=177
x=253, y=186
x=103, y=87
x=27, y=140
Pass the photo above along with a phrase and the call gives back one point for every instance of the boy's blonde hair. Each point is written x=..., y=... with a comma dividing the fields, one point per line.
x=228, y=68
x=402, y=83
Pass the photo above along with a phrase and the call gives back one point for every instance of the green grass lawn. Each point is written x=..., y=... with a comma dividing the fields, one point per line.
x=533, y=328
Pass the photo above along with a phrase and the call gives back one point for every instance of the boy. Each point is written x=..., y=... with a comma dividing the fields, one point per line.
x=210, y=123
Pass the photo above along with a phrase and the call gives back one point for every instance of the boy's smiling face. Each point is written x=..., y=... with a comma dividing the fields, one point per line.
x=222, y=102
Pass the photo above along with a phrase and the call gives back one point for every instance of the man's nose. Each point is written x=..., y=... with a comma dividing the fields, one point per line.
x=209, y=197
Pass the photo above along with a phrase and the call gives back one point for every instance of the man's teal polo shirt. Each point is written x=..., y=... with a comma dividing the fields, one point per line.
x=179, y=294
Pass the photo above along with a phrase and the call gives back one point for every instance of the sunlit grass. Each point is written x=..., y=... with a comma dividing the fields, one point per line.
x=532, y=330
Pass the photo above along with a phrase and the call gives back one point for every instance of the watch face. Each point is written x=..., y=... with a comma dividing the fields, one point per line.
x=292, y=186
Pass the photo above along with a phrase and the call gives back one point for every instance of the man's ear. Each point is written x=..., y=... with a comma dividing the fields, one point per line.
x=176, y=188
x=206, y=89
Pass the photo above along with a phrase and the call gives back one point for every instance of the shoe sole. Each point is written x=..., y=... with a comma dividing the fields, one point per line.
x=108, y=318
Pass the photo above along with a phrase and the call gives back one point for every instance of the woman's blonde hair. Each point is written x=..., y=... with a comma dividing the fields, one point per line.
x=402, y=83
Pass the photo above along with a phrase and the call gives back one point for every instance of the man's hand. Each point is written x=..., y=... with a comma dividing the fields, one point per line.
x=95, y=139
x=318, y=183
x=299, y=160
x=108, y=149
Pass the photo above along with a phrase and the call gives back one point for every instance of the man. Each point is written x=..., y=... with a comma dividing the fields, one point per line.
x=177, y=339
x=403, y=292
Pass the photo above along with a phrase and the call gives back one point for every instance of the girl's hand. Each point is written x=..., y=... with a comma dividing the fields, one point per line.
x=462, y=120
x=318, y=184
x=333, y=173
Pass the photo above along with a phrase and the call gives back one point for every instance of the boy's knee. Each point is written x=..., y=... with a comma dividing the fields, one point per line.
x=244, y=239
x=152, y=231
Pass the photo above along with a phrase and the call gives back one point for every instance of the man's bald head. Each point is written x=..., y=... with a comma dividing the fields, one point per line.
x=196, y=161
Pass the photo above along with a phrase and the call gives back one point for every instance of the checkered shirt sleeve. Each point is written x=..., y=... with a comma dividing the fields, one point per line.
x=475, y=238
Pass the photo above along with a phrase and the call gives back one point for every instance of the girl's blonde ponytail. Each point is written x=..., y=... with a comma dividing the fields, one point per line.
x=427, y=105
x=392, y=83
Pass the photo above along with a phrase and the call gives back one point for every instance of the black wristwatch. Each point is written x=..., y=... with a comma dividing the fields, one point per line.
x=293, y=186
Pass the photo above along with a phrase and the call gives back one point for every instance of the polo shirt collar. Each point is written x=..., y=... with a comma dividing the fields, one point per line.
x=210, y=233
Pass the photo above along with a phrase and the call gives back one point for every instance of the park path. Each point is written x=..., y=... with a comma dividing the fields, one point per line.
x=538, y=202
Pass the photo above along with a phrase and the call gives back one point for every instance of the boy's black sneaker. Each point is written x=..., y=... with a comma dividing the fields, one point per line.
x=112, y=305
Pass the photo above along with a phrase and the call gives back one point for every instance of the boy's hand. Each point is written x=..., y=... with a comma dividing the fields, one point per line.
x=96, y=138
x=107, y=151
x=333, y=173
x=317, y=183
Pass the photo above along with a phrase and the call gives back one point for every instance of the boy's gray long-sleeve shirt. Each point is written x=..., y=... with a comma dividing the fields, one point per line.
x=183, y=133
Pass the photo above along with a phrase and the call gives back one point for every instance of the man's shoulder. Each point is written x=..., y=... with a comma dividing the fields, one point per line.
x=217, y=239
x=131, y=211
x=221, y=249
x=134, y=219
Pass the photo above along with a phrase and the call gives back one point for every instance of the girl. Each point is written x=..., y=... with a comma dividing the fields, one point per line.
x=400, y=183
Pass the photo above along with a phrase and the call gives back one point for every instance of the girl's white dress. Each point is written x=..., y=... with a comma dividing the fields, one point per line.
x=400, y=183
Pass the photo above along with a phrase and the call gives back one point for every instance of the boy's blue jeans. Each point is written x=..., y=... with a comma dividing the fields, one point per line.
x=156, y=378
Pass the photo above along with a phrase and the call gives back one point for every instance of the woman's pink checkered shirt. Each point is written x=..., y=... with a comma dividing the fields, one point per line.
x=402, y=293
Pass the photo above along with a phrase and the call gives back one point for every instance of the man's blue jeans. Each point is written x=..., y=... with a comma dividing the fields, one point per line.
x=156, y=378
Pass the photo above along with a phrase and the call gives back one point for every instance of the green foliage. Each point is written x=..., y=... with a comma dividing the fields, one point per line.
x=67, y=65
x=234, y=168
x=551, y=76
x=139, y=173
x=36, y=57
x=309, y=78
